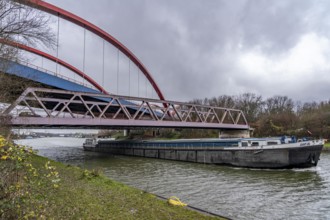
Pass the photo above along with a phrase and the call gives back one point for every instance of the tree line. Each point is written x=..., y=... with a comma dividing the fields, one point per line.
x=278, y=115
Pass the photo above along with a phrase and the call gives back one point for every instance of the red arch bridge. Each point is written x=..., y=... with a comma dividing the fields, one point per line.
x=72, y=103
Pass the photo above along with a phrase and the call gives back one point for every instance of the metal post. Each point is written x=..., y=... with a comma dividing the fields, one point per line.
x=57, y=43
x=146, y=88
x=84, y=55
x=103, y=67
x=129, y=77
x=138, y=82
x=117, y=71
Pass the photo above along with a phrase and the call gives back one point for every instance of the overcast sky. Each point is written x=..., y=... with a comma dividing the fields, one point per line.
x=206, y=48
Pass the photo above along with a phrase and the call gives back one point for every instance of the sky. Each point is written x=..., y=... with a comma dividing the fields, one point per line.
x=199, y=48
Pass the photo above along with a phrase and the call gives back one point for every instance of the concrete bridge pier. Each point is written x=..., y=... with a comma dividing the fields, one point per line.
x=126, y=132
x=246, y=133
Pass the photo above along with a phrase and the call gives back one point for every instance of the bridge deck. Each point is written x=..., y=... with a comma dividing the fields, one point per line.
x=116, y=123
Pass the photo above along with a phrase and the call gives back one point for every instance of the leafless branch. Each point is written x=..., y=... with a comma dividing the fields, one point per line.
x=23, y=24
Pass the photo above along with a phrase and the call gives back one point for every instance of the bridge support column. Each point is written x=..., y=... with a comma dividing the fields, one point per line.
x=126, y=132
x=156, y=132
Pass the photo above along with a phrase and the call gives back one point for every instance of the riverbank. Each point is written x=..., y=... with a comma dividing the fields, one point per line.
x=326, y=147
x=238, y=193
x=59, y=191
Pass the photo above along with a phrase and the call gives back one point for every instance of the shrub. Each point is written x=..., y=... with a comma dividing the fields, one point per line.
x=17, y=178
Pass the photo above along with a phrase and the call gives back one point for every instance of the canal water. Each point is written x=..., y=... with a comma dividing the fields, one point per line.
x=238, y=193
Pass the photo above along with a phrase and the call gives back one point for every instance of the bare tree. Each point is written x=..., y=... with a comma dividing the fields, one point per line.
x=23, y=24
x=251, y=104
x=279, y=104
x=223, y=101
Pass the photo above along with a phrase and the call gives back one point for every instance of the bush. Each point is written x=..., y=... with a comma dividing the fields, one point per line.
x=17, y=178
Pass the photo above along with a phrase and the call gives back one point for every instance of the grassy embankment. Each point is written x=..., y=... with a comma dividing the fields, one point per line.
x=32, y=187
x=326, y=146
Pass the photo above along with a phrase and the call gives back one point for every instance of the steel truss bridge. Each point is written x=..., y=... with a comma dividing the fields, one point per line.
x=58, y=108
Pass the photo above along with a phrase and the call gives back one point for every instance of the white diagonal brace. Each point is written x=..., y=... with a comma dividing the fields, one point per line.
x=86, y=106
x=152, y=113
x=231, y=116
x=197, y=113
x=165, y=112
x=106, y=108
x=17, y=101
x=40, y=103
x=29, y=107
x=66, y=106
x=138, y=111
x=188, y=114
x=176, y=111
x=216, y=116
x=238, y=117
x=207, y=114
x=223, y=116
x=124, y=109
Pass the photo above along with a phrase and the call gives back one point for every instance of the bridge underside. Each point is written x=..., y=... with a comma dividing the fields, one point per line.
x=34, y=122
x=40, y=76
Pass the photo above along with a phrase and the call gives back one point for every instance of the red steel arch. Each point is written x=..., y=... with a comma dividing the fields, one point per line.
x=54, y=59
x=54, y=10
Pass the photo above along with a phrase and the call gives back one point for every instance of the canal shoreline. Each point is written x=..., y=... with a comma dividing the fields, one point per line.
x=88, y=194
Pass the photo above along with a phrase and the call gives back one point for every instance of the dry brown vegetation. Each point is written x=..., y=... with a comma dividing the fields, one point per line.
x=279, y=115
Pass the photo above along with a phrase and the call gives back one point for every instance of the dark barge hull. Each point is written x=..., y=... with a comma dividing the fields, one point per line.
x=276, y=158
x=301, y=157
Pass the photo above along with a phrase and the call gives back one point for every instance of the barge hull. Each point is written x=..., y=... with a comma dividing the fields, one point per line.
x=300, y=157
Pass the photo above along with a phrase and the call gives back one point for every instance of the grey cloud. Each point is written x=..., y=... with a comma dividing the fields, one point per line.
x=191, y=47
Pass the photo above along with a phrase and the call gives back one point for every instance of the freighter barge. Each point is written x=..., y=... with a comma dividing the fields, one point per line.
x=277, y=152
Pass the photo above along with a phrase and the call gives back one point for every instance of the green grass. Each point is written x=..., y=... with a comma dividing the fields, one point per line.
x=327, y=145
x=90, y=195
